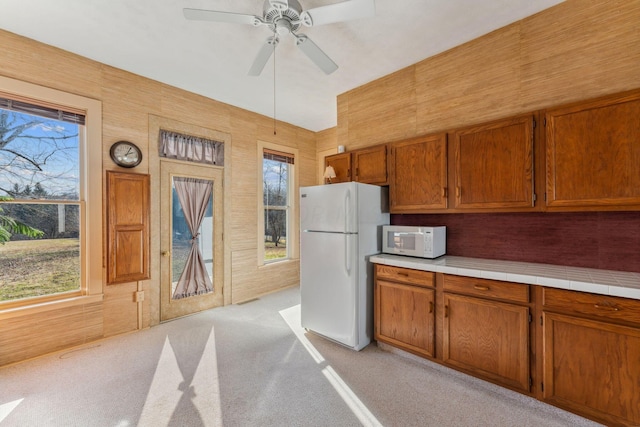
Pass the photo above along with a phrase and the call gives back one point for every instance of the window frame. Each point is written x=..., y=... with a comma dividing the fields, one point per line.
x=292, y=200
x=90, y=197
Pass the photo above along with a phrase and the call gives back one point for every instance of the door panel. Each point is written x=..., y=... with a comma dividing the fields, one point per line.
x=328, y=272
x=176, y=240
x=329, y=208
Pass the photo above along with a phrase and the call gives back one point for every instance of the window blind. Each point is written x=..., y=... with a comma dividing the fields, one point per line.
x=278, y=156
x=42, y=111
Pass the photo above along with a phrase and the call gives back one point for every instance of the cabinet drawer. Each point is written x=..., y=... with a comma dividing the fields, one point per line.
x=494, y=289
x=405, y=275
x=602, y=306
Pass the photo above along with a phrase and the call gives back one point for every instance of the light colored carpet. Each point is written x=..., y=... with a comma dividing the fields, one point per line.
x=243, y=365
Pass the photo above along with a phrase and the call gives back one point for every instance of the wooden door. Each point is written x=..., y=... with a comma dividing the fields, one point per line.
x=593, y=153
x=405, y=316
x=494, y=164
x=496, y=348
x=418, y=174
x=127, y=227
x=175, y=239
x=341, y=164
x=370, y=165
x=592, y=367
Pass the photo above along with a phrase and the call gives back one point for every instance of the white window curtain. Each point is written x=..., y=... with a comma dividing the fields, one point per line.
x=191, y=148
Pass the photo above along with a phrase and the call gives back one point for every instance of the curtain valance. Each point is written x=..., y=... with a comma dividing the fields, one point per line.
x=191, y=148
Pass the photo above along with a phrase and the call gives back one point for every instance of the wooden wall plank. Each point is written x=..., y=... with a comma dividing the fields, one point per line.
x=458, y=85
x=49, y=331
x=383, y=110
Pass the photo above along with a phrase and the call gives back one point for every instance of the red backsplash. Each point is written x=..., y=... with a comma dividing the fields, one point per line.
x=605, y=240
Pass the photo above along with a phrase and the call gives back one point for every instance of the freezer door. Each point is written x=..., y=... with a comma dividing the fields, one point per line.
x=329, y=208
x=328, y=285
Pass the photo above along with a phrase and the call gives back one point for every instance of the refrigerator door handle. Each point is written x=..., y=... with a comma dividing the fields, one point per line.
x=347, y=258
x=347, y=219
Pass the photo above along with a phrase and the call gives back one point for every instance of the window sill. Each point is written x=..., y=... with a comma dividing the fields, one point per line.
x=282, y=262
x=35, y=308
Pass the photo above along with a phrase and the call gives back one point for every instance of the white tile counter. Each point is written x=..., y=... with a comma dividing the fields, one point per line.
x=606, y=282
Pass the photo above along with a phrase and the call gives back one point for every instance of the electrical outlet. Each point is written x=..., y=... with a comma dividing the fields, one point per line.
x=138, y=296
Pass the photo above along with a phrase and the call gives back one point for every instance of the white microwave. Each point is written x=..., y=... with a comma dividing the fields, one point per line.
x=423, y=242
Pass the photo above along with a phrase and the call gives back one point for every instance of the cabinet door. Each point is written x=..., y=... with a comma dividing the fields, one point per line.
x=341, y=164
x=370, y=165
x=593, y=368
x=418, y=174
x=405, y=317
x=494, y=164
x=127, y=227
x=495, y=348
x=593, y=153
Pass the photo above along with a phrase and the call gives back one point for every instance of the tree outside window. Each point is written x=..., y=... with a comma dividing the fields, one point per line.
x=276, y=173
x=40, y=212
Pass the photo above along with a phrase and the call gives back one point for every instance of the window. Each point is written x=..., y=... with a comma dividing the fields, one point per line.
x=43, y=205
x=277, y=178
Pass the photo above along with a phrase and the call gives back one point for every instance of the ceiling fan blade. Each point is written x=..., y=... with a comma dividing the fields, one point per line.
x=214, y=15
x=339, y=12
x=263, y=56
x=315, y=54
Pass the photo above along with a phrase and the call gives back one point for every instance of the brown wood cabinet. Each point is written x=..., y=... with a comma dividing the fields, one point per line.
x=370, y=165
x=405, y=309
x=593, y=153
x=592, y=355
x=367, y=165
x=127, y=227
x=418, y=174
x=341, y=164
x=493, y=164
x=486, y=330
x=587, y=346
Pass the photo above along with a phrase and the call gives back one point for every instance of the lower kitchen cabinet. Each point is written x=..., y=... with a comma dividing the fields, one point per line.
x=486, y=337
x=592, y=361
x=405, y=309
x=581, y=354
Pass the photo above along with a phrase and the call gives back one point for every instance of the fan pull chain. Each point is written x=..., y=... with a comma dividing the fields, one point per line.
x=274, y=88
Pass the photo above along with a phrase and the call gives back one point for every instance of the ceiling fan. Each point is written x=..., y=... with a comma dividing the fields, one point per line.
x=285, y=17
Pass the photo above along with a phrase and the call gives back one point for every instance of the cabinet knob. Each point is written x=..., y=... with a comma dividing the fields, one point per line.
x=481, y=288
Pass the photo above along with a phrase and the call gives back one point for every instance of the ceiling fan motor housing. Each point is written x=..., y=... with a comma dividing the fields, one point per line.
x=282, y=17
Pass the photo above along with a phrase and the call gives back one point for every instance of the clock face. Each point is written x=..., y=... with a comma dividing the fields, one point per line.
x=126, y=154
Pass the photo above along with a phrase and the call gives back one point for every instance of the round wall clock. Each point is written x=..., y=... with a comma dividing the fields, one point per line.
x=125, y=154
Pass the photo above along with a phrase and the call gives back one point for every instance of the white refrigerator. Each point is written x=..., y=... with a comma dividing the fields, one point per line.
x=340, y=227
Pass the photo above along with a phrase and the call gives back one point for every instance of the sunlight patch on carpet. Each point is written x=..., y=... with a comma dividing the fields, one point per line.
x=6, y=408
x=291, y=316
x=169, y=387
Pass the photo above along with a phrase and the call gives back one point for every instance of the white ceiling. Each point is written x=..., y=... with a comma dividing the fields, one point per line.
x=153, y=39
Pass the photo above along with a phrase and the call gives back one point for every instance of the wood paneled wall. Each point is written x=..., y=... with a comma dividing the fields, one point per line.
x=576, y=50
x=129, y=102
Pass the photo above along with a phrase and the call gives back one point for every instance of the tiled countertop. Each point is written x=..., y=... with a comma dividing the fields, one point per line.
x=606, y=282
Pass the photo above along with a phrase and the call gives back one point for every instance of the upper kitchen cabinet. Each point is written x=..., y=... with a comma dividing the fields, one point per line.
x=418, y=174
x=341, y=164
x=593, y=154
x=493, y=165
x=370, y=165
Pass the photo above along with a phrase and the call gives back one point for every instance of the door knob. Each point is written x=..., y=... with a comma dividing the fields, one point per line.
x=166, y=253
